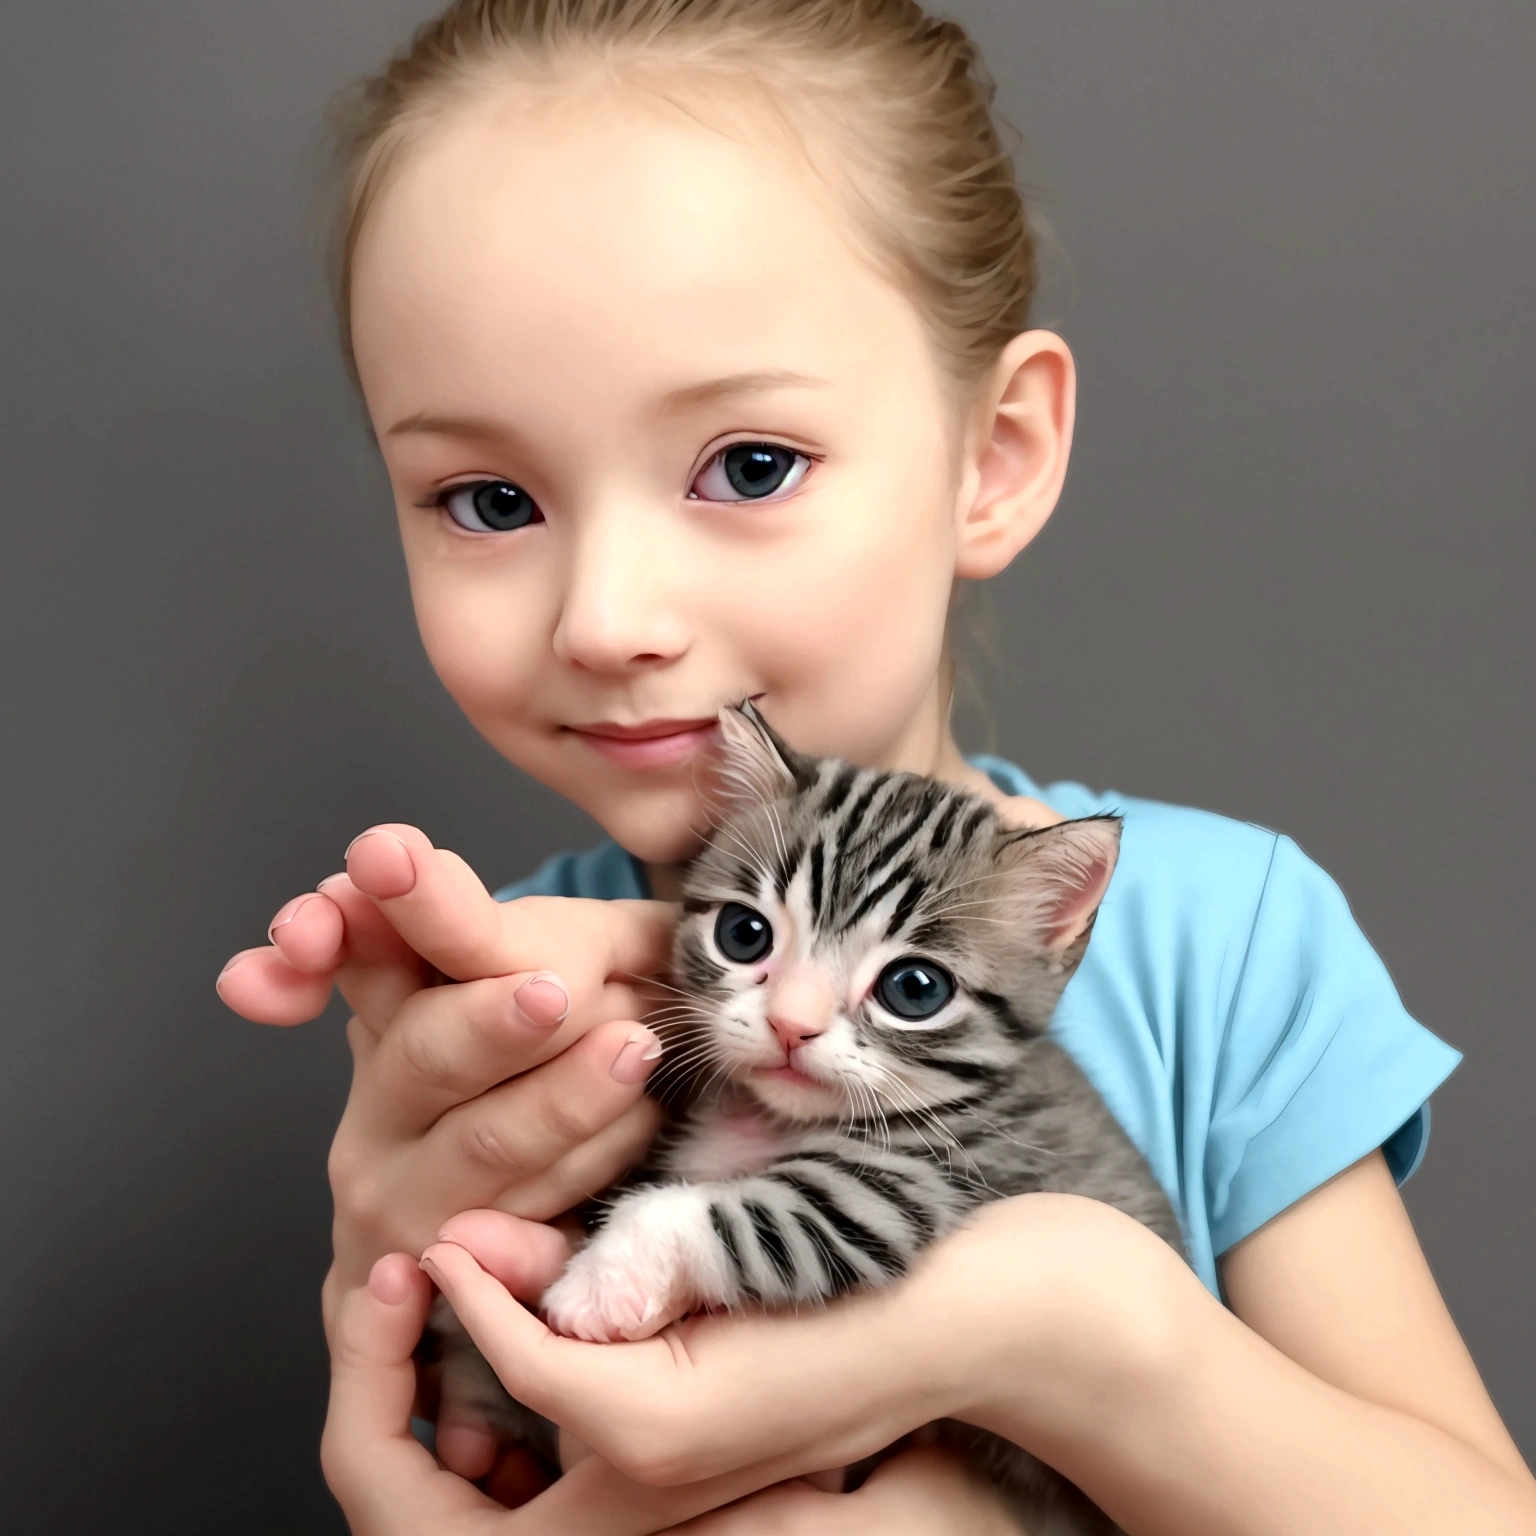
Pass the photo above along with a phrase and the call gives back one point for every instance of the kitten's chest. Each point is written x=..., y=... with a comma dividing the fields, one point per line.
x=727, y=1141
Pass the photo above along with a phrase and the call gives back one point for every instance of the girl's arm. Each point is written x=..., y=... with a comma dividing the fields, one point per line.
x=1340, y=1285
x=1339, y=1398
x=1067, y=1328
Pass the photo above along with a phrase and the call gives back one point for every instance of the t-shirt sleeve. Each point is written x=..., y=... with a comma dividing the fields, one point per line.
x=602, y=873
x=1320, y=1063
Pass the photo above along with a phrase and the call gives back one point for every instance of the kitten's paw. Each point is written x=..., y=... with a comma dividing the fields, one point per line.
x=606, y=1305
x=641, y=1272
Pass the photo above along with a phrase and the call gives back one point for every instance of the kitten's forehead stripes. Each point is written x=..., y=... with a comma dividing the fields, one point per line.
x=818, y=858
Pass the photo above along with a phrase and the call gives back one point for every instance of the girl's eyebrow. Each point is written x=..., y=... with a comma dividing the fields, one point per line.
x=709, y=391
x=674, y=402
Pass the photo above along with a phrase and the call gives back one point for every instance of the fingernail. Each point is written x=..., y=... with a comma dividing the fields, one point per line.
x=403, y=880
x=633, y=1064
x=372, y=832
x=328, y=879
x=293, y=909
x=428, y=1268
x=542, y=1000
x=232, y=962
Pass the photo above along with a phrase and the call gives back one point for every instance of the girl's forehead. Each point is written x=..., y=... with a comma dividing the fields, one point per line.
x=675, y=249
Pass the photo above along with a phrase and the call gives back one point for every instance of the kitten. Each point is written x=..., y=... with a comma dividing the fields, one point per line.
x=867, y=964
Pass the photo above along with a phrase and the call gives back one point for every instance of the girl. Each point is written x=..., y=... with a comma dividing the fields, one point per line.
x=694, y=335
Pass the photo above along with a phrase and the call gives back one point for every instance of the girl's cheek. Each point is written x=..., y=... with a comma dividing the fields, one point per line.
x=480, y=642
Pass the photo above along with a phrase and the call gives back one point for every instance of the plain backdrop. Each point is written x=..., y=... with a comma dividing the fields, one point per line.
x=1290, y=581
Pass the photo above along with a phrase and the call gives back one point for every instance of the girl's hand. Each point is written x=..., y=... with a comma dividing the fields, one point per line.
x=1042, y=1306
x=520, y=1089
x=388, y=1485
x=921, y=1492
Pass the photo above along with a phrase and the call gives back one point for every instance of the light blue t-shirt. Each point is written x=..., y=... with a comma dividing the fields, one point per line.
x=1228, y=1008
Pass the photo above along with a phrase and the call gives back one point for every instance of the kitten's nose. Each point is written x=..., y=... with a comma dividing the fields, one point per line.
x=791, y=1032
x=800, y=1005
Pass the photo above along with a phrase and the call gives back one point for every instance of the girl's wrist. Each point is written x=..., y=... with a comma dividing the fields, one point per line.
x=1075, y=1321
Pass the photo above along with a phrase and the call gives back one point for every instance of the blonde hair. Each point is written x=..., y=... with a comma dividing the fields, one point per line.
x=907, y=94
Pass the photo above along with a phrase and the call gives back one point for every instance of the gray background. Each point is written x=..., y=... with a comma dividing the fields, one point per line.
x=1289, y=581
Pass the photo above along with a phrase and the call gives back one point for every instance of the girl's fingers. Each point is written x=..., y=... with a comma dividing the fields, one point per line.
x=519, y=1131
x=389, y=1485
x=260, y=985
x=449, y=1045
x=712, y=1394
x=310, y=933
x=434, y=900
x=379, y=970
x=333, y=934
x=588, y=1169
x=384, y=1480
x=443, y=912
x=524, y=1256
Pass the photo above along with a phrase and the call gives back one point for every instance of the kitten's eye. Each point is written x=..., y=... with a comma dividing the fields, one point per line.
x=750, y=472
x=914, y=989
x=742, y=934
x=491, y=506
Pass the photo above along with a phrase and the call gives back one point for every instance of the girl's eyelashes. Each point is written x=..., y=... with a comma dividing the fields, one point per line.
x=490, y=506
x=750, y=472
x=737, y=473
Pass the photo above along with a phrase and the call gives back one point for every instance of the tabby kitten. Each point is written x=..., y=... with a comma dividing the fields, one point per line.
x=868, y=962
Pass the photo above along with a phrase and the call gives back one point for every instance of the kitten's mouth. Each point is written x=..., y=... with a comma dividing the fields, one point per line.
x=789, y=1075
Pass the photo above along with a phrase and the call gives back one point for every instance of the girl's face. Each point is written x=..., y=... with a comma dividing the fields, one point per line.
x=659, y=440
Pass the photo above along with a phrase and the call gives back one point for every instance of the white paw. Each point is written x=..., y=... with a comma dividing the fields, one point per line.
x=636, y=1276
x=604, y=1304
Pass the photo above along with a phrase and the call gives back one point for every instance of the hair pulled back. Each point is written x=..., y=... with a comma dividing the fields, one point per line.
x=906, y=96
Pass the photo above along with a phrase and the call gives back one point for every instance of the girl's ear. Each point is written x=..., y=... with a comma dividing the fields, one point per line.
x=1017, y=450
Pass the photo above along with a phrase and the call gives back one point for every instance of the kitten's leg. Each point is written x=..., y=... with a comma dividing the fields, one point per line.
x=805, y=1230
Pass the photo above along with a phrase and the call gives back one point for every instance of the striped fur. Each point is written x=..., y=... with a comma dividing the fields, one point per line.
x=787, y=1190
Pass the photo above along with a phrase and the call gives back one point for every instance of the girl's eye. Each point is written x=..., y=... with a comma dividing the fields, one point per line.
x=750, y=472
x=490, y=506
x=742, y=934
x=913, y=989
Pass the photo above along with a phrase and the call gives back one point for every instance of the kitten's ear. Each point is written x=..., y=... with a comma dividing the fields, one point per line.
x=754, y=765
x=1059, y=875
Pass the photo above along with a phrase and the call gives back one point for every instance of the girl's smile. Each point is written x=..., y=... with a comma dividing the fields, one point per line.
x=652, y=744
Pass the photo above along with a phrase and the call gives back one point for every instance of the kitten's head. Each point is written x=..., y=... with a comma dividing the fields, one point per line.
x=856, y=941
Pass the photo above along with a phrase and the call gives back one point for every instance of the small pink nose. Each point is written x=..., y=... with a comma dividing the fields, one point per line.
x=793, y=1032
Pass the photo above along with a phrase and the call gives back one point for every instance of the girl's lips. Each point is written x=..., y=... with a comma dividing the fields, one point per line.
x=656, y=744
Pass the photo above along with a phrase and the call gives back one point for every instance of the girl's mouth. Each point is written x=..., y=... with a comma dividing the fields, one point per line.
x=651, y=744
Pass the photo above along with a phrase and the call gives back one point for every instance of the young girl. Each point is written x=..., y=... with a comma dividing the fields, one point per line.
x=694, y=334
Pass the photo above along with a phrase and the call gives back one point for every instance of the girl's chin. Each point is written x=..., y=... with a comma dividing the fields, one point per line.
x=656, y=829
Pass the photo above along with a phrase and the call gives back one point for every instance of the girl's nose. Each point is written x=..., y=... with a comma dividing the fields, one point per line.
x=620, y=611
